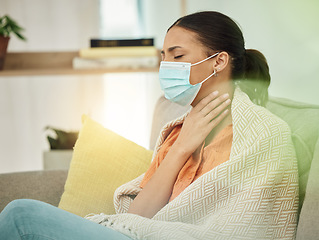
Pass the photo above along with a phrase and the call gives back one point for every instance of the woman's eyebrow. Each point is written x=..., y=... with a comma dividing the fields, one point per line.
x=170, y=49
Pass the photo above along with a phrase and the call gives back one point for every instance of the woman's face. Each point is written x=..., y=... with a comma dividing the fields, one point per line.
x=182, y=45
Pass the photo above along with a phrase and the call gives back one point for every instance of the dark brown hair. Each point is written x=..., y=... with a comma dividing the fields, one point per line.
x=218, y=32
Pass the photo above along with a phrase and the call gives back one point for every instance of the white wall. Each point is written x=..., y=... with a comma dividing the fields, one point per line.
x=29, y=104
x=159, y=16
x=53, y=25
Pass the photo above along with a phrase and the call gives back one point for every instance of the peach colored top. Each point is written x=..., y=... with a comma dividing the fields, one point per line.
x=199, y=163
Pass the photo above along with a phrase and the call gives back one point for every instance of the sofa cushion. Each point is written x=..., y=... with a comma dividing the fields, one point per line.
x=101, y=162
x=46, y=186
x=303, y=120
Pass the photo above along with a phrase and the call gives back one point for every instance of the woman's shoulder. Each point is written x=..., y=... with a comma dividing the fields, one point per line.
x=256, y=127
x=246, y=114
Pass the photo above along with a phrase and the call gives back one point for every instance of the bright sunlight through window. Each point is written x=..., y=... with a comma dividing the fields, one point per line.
x=121, y=19
x=128, y=97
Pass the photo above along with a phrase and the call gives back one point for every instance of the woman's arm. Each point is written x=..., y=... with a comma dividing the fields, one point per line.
x=158, y=189
x=196, y=127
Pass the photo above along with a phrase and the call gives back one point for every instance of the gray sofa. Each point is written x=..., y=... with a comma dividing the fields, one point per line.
x=303, y=120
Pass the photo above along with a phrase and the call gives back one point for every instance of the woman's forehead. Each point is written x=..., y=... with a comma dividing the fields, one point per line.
x=180, y=37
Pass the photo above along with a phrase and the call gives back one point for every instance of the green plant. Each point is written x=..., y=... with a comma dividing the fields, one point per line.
x=62, y=139
x=8, y=26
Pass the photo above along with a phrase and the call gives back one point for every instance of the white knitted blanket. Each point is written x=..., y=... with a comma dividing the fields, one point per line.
x=253, y=195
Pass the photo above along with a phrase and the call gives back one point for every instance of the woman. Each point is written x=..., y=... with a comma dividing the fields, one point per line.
x=224, y=170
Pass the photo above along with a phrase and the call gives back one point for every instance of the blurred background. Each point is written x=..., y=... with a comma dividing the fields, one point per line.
x=285, y=31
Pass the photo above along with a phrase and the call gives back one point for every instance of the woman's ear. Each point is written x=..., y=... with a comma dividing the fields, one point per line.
x=221, y=61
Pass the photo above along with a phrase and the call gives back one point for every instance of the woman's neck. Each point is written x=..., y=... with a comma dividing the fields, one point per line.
x=223, y=87
x=224, y=123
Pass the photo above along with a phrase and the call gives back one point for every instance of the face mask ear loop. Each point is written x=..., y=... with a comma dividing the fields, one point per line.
x=214, y=73
x=194, y=64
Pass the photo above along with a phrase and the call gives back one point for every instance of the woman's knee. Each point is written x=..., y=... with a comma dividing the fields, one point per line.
x=20, y=207
x=17, y=218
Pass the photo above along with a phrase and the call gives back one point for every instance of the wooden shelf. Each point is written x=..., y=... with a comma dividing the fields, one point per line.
x=52, y=63
x=69, y=71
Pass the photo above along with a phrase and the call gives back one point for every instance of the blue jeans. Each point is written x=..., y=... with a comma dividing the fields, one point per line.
x=30, y=219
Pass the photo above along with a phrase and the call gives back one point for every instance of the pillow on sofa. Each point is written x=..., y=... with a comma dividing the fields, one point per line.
x=101, y=162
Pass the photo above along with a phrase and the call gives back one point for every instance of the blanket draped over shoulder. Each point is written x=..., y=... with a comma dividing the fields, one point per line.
x=253, y=195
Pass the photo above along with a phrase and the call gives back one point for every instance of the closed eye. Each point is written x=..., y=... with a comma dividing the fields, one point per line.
x=179, y=56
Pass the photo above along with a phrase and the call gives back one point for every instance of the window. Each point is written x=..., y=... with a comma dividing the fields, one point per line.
x=121, y=19
x=129, y=98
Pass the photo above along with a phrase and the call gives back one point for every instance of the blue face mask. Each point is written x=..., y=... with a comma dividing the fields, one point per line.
x=174, y=81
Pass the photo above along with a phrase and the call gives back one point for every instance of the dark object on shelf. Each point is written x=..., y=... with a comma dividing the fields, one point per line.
x=122, y=42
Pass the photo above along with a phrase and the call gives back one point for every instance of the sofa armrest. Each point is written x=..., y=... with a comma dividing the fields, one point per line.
x=46, y=186
x=309, y=215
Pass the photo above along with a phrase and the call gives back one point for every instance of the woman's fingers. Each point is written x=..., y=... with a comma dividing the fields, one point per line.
x=205, y=101
x=216, y=106
x=213, y=123
x=217, y=110
x=206, y=115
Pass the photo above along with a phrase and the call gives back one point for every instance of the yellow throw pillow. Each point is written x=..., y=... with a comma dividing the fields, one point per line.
x=101, y=162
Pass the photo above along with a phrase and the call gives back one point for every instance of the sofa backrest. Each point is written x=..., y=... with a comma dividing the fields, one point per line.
x=303, y=120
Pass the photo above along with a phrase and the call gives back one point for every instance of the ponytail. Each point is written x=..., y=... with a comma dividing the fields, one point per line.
x=256, y=77
x=256, y=66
